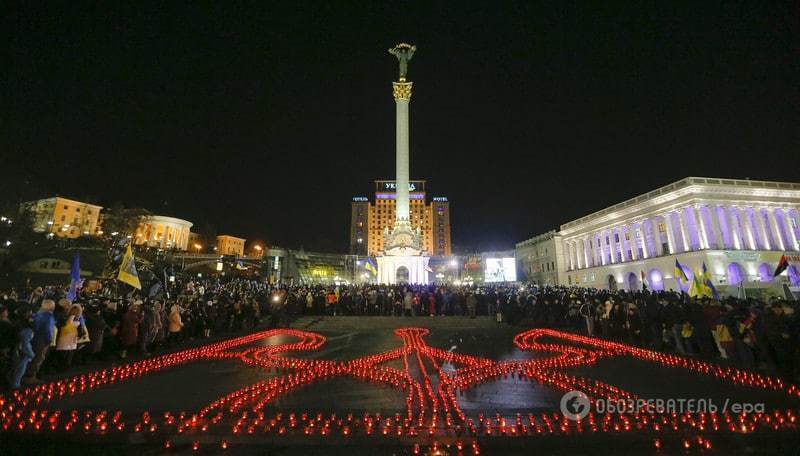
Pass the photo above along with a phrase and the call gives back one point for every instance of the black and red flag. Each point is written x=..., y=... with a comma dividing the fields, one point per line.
x=782, y=265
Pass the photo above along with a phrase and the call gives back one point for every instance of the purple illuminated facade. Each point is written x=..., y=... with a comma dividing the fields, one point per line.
x=737, y=228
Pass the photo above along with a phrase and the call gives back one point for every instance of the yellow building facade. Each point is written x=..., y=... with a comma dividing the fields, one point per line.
x=230, y=245
x=64, y=217
x=369, y=221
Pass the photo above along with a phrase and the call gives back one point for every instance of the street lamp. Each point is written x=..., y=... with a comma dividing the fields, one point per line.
x=197, y=247
x=258, y=249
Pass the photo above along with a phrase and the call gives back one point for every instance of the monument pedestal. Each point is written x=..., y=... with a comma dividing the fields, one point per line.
x=403, y=269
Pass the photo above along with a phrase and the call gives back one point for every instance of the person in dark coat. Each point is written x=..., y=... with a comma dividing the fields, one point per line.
x=129, y=333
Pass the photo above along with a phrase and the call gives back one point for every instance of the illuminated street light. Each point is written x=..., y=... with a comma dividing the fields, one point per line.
x=453, y=263
x=197, y=247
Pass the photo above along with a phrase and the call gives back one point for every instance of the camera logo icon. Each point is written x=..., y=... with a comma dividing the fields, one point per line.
x=575, y=405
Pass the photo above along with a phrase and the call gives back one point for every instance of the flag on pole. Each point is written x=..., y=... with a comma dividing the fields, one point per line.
x=127, y=270
x=679, y=274
x=782, y=265
x=708, y=285
x=75, y=278
x=370, y=266
x=696, y=288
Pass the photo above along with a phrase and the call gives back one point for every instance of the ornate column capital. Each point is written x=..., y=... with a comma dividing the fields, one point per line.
x=402, y=91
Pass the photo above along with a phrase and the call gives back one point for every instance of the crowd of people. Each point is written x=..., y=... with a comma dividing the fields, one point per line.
x=42, y=331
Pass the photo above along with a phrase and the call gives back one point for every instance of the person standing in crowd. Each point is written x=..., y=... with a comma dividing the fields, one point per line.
x=7, y=338
x=175, y=325
x=472, y=304
x=67, y=337
x=129, y=332
x=44, y=328
x=22, y=353
x=96, y=326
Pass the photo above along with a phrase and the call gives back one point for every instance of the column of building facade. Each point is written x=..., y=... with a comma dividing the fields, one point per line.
x=699, y=225
x=747, y=226
x=620, y=244
x=587, y=248
x=775, y=229
x=632, y=242
x=657, y=246
x=638, y=229
x=733, y=227
x=568, y=255
x=603, y=239
x=670, y=232
x=761, y=226
x=578, y=254
x=787, y=218
x=598, y=255
x=716, y=227
x=612, y=246
x=684, y=230
x=571, y=250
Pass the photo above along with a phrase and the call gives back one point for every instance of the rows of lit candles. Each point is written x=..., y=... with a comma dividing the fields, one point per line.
x=431, y=406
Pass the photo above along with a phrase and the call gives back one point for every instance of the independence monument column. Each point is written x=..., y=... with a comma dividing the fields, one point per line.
x=402, y=96
x=402, y=258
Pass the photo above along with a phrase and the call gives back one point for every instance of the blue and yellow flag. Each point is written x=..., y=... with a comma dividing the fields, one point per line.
x=370, y=266
x=708, y=286
x=127, y=270
x=679, y=274
x=696, y=288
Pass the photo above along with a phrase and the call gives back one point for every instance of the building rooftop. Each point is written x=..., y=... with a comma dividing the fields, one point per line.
x=683, y=183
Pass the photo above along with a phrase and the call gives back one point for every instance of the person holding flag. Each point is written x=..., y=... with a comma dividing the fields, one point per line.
x=127, y=270
x=75, y=283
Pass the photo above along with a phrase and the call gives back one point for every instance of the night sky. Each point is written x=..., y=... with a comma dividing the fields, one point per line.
x=266, y=122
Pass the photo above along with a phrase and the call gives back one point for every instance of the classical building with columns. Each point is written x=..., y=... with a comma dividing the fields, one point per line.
x=738, y=228
x=163, y=232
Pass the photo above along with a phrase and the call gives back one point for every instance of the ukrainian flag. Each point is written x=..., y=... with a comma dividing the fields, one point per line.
x=370, y=266
x=708, y=286
x=679, y=274
x=127, y=270
x=696, y=288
